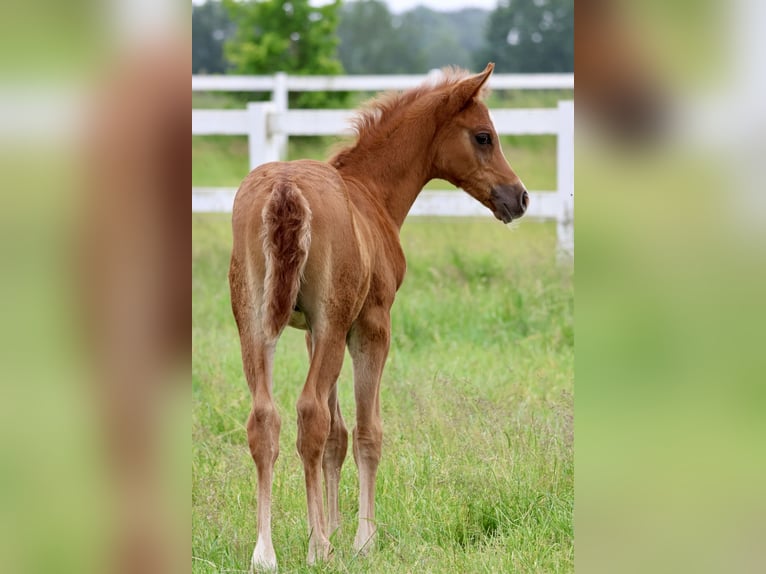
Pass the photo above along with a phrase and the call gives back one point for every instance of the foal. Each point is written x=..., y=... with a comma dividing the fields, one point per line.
x=316, y=246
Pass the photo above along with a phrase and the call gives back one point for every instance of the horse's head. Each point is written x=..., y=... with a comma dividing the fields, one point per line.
x=468, y=152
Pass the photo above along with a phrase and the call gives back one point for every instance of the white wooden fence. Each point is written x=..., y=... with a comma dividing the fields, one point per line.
x=269, y=124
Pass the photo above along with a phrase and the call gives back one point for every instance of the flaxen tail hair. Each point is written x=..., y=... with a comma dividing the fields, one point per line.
x=286, y=240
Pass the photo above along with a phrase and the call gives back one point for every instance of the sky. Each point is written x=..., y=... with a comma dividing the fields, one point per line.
x=398, y=6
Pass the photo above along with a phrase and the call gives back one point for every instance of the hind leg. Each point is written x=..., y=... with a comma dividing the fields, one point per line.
x=334, y=453
x=263, y=426
x=263, y=423
x=314, y=424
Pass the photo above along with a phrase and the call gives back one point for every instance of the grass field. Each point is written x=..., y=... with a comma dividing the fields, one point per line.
x=477, y=468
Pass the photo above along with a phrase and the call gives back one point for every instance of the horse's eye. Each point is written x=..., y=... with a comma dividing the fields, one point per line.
x=483, y=139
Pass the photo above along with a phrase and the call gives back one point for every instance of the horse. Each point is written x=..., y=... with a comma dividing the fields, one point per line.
x=316, y=247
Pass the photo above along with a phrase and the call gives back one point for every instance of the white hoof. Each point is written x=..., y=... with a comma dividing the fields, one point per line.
x=264, y=559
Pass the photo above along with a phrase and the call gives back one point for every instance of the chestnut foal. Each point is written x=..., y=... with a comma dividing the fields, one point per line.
x=316, y=246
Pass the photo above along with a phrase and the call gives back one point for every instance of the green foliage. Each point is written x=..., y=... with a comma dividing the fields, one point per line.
x=452, y=36
x=370, y=43
x=476, y=401
x=374, y=41
x=530, y=36
x=210, y=27
x=364, y=37
x=289, y=36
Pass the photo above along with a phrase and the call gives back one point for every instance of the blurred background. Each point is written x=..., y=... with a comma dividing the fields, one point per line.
x=386, y=37
x=669, y=279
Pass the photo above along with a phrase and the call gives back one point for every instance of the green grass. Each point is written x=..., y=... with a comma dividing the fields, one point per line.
x=477, y=468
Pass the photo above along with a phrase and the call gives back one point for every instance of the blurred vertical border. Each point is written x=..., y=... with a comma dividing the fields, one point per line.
x=670, y=281
x=94, y=295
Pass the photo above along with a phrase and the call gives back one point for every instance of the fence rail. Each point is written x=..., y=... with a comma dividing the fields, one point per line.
x=542, y=205
x=268, y=125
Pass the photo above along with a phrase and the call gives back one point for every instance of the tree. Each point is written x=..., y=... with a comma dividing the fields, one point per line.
x=288, y=36
x=441, y=46
x=371, y=42
x=530, y=36
x=210, y=27
x=470, y=25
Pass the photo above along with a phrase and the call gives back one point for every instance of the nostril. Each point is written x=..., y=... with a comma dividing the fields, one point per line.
x=524, y=200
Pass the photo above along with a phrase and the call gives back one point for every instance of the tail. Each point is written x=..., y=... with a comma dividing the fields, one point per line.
x=286, y=240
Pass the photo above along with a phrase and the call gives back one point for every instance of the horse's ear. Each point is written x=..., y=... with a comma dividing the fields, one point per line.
x=471, y=87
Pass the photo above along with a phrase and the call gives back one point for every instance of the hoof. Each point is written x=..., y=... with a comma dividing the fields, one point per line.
x=320, y=552
x=364, y=542
x=264, y=560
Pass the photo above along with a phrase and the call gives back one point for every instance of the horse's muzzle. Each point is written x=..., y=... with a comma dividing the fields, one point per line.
x=509, y=202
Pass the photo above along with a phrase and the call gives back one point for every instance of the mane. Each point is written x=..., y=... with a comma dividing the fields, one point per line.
x=379, y=114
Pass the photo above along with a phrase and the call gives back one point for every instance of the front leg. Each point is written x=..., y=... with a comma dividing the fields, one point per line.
x=368, y=344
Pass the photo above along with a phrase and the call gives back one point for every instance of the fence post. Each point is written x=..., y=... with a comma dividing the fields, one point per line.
x=261, y=144
x=565, y=178
x=281, y=103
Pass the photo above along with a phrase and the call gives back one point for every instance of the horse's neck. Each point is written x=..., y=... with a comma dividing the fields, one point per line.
x=394, y=187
